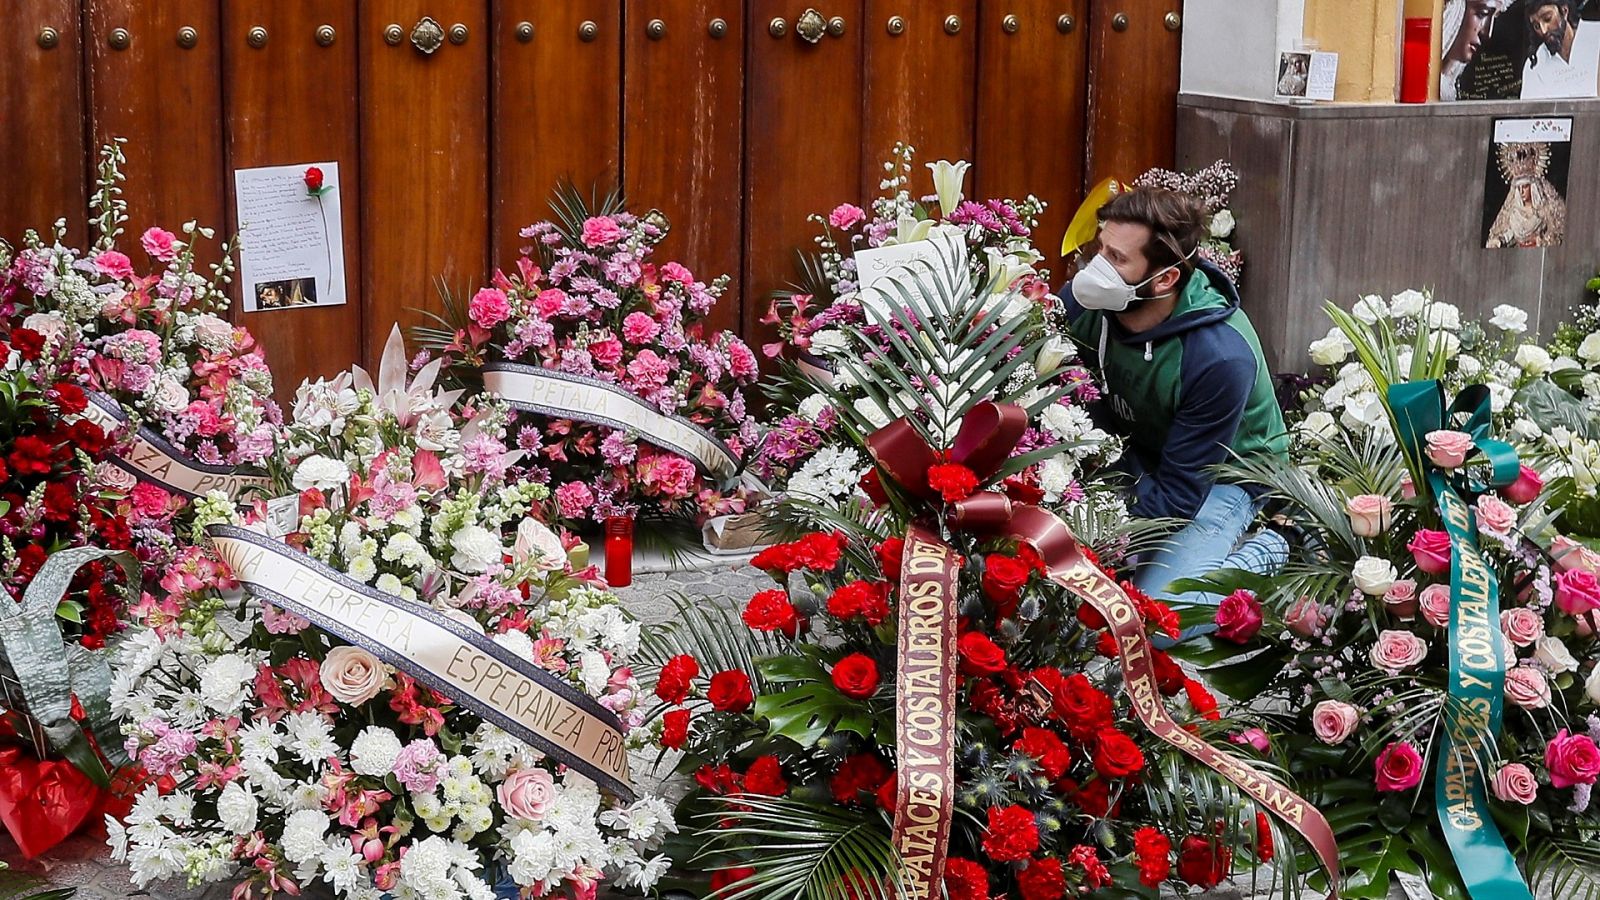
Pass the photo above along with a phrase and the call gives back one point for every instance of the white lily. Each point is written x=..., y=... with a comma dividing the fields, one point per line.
x=1052, y=353
x=909, y=229
x=391, y=392
x=1005, y=269
x=948, y=178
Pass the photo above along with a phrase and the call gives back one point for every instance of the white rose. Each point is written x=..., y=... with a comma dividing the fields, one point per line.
x=1533, y=359
x=373, y=751
x=1592, y=686
x=1374, y=576
x=236, y=808
x=1407, y=303
x=1370, y=309
x=1443, y=315
x=1589, y=350
x=1320, y=424
x=539, y=544
x=1509, y=318
x=1222, y=223
x=170, y=396
x=1555, y=656
x=476, y=549
x=1332, y=349
x=320, y=472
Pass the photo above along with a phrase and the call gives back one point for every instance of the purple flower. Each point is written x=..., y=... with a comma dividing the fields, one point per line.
x=618, y=450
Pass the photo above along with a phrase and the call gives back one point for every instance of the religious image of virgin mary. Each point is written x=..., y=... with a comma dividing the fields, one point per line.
x=1534, y=213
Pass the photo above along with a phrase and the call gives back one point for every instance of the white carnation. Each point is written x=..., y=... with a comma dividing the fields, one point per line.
x=225, y=682
x=476, y=549
x=373, y=751
x=1370, y=309
x=321, y=472
x=1443, y=315
x=829, y=342
x=1509, y=318
x=1407, y=303
x=1589, y=349
x=1533, y=359
x=811, y=407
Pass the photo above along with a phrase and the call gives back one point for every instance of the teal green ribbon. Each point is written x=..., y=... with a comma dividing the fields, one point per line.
x=50, y=671
x=1477, y=650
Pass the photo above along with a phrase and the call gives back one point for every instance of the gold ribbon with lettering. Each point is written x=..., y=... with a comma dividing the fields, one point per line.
x=567, y=396
x=500, y=687
x=151, y=459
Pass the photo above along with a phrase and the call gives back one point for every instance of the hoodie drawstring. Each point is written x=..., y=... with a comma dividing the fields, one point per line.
x=1148, y=354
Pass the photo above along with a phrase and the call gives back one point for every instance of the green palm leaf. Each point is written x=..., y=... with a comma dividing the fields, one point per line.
x=1566, y=864
x=801, y=851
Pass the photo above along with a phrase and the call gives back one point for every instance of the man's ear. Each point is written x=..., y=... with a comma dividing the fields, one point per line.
x=1167, y=282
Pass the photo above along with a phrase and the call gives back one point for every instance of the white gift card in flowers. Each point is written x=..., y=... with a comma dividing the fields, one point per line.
x=913, y=273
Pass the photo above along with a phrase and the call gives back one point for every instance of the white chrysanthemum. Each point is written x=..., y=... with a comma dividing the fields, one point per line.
x=1510, y=319
x=236, y=808
x=647, y=819
x=344, y=870
x=321, y=472
x=310, y=738
x=390, y=584
x=225, y=683
x=361, y=568
x=830, y=474
x=259, y=740
x=533, y=856
x=374, y=750
x=302, y=835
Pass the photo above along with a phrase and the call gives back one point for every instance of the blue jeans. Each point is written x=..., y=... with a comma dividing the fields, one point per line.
x=1209, y=543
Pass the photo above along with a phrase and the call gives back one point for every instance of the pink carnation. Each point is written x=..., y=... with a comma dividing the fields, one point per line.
x=639, y=328
x=846, y=216
x=550, y=301
x=677, y=273
x=741, y=360
x=114, y=264
x=417, y=765
x=160, y=243
x=574, y=499
x=666, y=475
x=489, y=308
x=599, y=231
x=606, y=351
x=649, y=370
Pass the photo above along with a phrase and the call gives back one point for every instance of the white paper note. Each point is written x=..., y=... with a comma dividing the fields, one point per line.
x=881, y=272
x=291, y=241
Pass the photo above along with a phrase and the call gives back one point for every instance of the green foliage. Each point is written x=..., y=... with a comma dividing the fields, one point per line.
x=1567, y=865
x=802, y=851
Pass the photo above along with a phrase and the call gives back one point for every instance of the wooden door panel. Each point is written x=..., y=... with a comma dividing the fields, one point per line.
x=683, y=129
x=293, y=102
x=424, y=161
x=556, y=108
x=920, y=85
x=802, y=141
x=166, y=100
x=42, y=108
x=1031, y=129
x=1133, y=94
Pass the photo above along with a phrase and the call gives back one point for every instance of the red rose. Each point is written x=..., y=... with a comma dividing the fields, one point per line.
x=1013, y=834
x=724, y=878
x=765, y=776
x=890, y=553
x=1116, y=755
x=867, y=599
x=675, y=729
x=1203, y=862
x=1169, y=675
x=1264, y=849
x=861, y=772
x=1042, y=880
x=730, y=691
x=1082, y=707
x=856, y=676
x=965, y=879
x=888, y=794
x=1238, y=617
x=1047, y=747
x=979, y=655
x=772, y=611
x=1152, y=853
x=673, y=685
x=953, y=481
x=313, y=179
x=1003, y=579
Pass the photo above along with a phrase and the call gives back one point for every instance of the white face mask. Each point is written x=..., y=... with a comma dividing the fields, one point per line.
x=1099, y=286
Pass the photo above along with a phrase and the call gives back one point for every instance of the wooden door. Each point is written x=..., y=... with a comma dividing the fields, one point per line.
x=556, y=107
x=424, y=160
x=41, y=104
x=803, y=138
x=160, y=86
x=1134, y=47
x=920, y=66
x=291, y=100
x=683, y=133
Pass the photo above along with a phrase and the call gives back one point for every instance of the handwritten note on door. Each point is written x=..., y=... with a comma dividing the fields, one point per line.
x=291, y=240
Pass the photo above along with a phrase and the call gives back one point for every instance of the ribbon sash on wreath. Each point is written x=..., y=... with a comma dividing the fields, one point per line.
x=150, y=458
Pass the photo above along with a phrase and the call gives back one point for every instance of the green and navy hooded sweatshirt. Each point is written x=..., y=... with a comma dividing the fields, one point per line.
x=1188, y=393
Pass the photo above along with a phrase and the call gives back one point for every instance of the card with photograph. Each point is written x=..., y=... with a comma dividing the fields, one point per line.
x=1525, y=183
x=291, y=252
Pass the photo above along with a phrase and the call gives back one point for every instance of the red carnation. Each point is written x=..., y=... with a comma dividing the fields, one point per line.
x=1090, y=617
x=856, y=676
x=979, y=655
x=27, y=342
x=1095, y=873
x=30, y=456
x=1162, y=617
x=1042, y=880
x=675, y=729
x=1003, y=579
x=717, y=779
x=313, y=179
x=1116, y=755
x=725, y=878
x=820, y=552
x=1264, y=849
x=730, y=691
x=1094, y=797
x=871, y=484
x=1152, y=852
x=1203, y=862
x=772, y=611
x=867, y=599
x=765, y=776
x=1169, y=675
x=70, y=398
x=1047, y=747
x=1013, y=834
x=1201, y=699
x=676, y=675
x=965, y=879
x=860, y=772
x=890, y=553
x=1106, y=645
x=953, y=481
x=888, y=793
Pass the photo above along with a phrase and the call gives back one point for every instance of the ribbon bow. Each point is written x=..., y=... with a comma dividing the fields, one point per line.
x=1477, y=678
x=925, y=717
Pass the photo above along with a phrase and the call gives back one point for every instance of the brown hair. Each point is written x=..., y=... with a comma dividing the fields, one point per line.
x=1176, y=222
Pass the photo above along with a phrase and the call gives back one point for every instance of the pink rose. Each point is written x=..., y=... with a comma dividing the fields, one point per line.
x=574, y=499
x=1399, y=767
x=527, y=793
x=114, y=264
x=846, y=216
x=161, y=244
x=1577, y=592
x=1431, y=550
x=1495, y=515
x=1527, y=687
x=550, y=301
x=1253, y=737
x=1570, y=555
x=1334, y=721
x=1572, y=759
x=1238, y=617
x=1448, y=449
x=1514, y=783
x=598, y=231
x=1401, y=599
x=607, y=351
x=1522, y=626
x=1369, y=514
x=1305, y=618
x=639, y=328
x=1527, y=486
x=1435, y=605
x=1396, y=651
x=489, y=308
x=352, y=675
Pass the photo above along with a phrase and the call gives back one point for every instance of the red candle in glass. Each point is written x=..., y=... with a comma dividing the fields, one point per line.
x=1414, y=61
x=619, y=551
